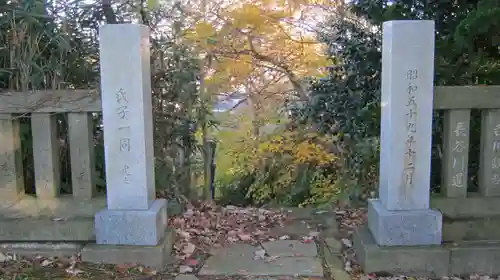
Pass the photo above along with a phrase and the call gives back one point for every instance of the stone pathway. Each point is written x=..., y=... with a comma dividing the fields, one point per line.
x=308, y=248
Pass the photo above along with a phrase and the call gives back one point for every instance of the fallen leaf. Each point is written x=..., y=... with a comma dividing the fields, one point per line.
x=244, y=237
x=189, y=249
x=346, y=242
x=260, y=254
x=46, y=263
x=73, y=271
x=185, y=269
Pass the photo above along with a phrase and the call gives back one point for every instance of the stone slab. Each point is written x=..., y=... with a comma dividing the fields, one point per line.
x=31, y=249
x=335, y=267
x=294, y=228
x=471, y=229
x=238, y=259
x=477, y=206
x=132, y=227
x=475, y=258
x=333, y=245
x=397, y=228
x=152, y=256
x=62, y=219
x=290, y=248
x=29, y=229
x=186, y=277
x=418, y=261
x=286, y=266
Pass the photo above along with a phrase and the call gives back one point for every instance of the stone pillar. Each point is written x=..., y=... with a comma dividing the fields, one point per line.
x=401, y=216
x=133, y=216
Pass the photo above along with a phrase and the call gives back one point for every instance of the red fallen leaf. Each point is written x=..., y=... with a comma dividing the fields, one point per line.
x=192, y=262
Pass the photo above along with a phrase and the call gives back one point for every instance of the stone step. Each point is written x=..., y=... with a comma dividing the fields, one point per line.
x=460, y=258
x=471, y=229
x=60, y=219
x=287, y=258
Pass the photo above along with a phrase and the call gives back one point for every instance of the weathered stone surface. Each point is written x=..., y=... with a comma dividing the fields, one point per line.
x=292, y=228
x=335, y=267
x=419, y=261
x=238, y=259
x=475, y=257
x=186, y=277
x=455, y=160
x=477, y=206
x=127, y=116
x=394, y=228
x=299, y=213
x=287, y=266
x=333, y=245
x=81, y=139
x=153, y=256
x=489, y=165
x=12, y=178
x=78, y=229
x=407, y=110
x=290, y=248
x=236, y=250
x=41, y=249
x=132, y=227
x=46, y=155
x=61, y=219
x=471, y=229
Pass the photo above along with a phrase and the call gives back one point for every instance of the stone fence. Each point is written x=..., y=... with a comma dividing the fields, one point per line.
x=127, y=225
x=409, y=230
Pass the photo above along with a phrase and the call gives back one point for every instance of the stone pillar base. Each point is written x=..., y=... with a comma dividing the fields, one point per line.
x=404, y=227
x=132, y=227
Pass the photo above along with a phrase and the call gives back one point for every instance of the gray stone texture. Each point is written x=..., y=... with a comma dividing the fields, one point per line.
x=473, y=229
x=186, y=277
x=456, y=153
x=480, y=220
x=152, y=256
x=489, y=165
x=11, y=173
x=127, y=116
x=333, y=259
x=477, y=206
x=46, y=155
x=290, y=248
x=406, y=114
x=238, y=259
x=418, y=261
x=30, y=249
x=132, y=227
x=83, y=173
x=475, y=258
x=394, y=228
x=60, y=219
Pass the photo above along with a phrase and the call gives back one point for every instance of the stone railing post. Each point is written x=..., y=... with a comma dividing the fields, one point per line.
x=133, y=216
x=401, y=216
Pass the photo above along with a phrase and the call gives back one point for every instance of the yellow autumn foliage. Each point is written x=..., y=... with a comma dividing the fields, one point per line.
x=258, y=36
